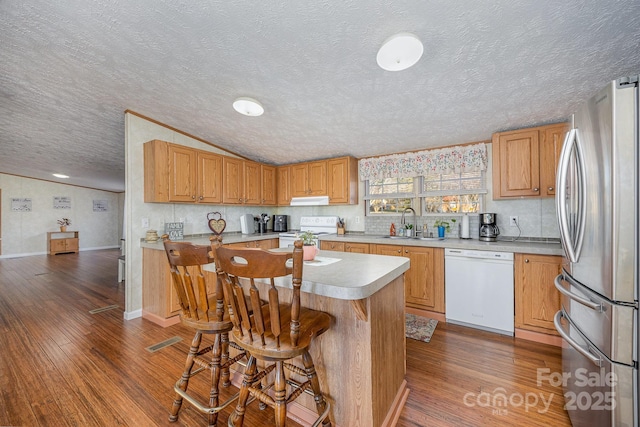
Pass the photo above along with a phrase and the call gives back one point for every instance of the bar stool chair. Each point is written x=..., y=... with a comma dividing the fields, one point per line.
x=206, y=315
x=275, y=333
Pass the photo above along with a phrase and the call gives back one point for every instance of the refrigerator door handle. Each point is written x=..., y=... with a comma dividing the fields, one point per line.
x=583, y=351
x=584, y=301
x=572, y=248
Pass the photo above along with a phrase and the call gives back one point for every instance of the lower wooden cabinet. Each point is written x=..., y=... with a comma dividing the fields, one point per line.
x=360, y=248
x=60, y=242
x=536, y=298
x=424, y=281
x=159, y=299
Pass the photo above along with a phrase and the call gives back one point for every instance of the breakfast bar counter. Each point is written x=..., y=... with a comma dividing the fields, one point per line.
x=361, y=358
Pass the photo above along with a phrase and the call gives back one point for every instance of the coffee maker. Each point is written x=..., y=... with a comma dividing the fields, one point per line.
x=489, y=231
x=280, y=223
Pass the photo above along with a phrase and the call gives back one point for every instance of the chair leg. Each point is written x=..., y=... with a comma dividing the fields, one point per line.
x=184, y=380
x=215, y=378
x=236, y=419
x=280, y=395
x=310, y=368
x=224, y=342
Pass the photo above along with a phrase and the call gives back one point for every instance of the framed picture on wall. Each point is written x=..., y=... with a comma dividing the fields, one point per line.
x=100, y=205
x=21, y=205
x=61, y=202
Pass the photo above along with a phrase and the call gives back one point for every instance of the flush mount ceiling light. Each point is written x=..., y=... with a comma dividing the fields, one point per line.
x=59, y=175
x=248, y=107
x=399, y=52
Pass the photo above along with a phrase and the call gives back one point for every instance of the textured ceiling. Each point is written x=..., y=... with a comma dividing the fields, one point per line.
x=69, y=70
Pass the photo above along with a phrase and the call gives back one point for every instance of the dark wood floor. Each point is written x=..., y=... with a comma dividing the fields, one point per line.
x=61, y=365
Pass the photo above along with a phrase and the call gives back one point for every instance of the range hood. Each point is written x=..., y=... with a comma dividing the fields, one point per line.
x=310, y=201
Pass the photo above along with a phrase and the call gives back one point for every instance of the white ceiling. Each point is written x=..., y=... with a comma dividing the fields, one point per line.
x=69, y=70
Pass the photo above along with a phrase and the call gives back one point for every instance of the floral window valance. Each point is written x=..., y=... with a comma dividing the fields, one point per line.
x=456, y=159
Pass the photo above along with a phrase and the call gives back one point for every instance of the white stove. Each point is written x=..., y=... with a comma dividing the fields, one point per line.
x=318, y=225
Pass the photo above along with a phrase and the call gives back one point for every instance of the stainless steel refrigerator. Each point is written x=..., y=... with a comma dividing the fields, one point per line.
x=597, y=206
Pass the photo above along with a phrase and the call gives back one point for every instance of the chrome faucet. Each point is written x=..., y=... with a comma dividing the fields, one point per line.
x=402, y=221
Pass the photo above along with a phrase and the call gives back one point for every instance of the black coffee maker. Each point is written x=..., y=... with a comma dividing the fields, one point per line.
x=489, y=231
x=280, y=223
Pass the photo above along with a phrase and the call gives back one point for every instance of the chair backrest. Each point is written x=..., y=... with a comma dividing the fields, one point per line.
x=249, y=264
x=185, y=262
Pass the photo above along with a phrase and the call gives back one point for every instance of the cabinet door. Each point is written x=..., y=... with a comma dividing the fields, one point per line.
x=252, y=179
x=318, y=178
x=71, y=244
x=232, y=180
x=209, y=177
x=516, y=164
x=284, y=185
x=537, y=299
x=551, y=140
x=266, y=244
x=57, y=245
x=300, y=180
x=392, y=250
x=182, y=174
x=342, y=180
x=424, y=282
x=268, y=185
x=361, y=248
x=332, y=246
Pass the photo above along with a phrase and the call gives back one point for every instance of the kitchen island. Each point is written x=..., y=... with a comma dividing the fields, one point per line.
x=360, y=360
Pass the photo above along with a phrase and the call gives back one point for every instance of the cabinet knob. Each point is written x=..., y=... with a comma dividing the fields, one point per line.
x=399, y=251
x=526, y=260
x=406, y=251
x=193, y=197
x=201, y=197
x=550, y=188
x=535, y=190
x=240, y=200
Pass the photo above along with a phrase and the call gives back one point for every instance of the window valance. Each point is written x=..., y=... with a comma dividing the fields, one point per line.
x=456, y=159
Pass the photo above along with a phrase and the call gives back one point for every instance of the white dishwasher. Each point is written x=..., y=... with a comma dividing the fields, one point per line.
x=479, y=289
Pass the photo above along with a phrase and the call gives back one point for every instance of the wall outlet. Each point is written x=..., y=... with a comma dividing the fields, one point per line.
x=357, y=220
x=513, y=221
x=145, y=222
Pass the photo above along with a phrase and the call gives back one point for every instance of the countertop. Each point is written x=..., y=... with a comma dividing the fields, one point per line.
x=518, y=246
x=352, y=277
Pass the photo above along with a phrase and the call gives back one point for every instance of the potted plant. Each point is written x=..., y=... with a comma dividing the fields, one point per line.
x=408, y=230
x=64, y=223
x=309, y=245
x=443, y=226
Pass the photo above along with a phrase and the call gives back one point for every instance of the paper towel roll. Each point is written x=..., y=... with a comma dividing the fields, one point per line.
x=464, y=229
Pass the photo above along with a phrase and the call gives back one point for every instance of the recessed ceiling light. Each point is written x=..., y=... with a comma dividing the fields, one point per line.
x=59, y=175
x=248, y=107
x=399, y=52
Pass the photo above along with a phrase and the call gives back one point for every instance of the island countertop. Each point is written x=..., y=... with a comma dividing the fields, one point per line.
x=347, y=276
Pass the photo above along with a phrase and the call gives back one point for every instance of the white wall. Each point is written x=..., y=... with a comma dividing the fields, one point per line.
x=25, y=233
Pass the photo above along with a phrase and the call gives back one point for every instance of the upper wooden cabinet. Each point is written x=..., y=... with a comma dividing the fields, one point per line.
x=525, y=161
x=241, y=181
x=268, y=188
x=342, y=178
x=283, y=184
x=336, y=178
x=309, y=179
x=174, y=173
x=536, y=298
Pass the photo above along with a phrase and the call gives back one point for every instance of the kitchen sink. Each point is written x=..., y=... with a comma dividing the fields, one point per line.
x=395, y=237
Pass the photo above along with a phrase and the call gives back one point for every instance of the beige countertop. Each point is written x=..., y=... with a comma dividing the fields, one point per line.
x=518, y=246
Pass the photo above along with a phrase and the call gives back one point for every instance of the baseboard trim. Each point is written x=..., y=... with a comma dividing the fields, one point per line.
x=396, y=407
x=426, y=313
x=161, y=321
x=130, y=315
x=539, y=337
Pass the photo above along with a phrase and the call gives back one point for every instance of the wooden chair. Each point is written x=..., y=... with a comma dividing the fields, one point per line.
x=207, y=316
x=275, y=333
